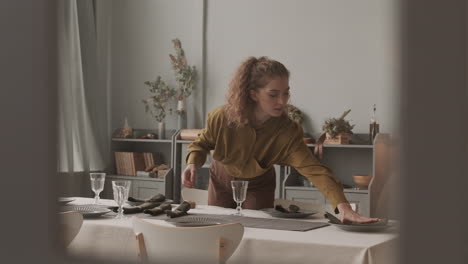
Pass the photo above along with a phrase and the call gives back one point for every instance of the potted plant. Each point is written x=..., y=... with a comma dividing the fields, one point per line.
x=338, y=130
x=186, y=77
x=157, y=103
x=296, y=115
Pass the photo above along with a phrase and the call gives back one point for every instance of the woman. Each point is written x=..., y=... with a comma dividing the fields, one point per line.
x=250, y=134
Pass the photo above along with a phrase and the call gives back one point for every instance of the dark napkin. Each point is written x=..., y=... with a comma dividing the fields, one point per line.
x=181, y=210
x=291, y=209
x=334, y=220
x=159, y=209
x=136, y=209
x=156, y=198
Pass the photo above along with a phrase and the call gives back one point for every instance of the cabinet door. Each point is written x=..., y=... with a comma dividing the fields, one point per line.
x=146, y=189
x=308, y=196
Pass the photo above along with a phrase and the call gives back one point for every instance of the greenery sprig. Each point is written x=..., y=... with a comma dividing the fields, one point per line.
x=295, y=114
x=156, y=104
x=186, y=76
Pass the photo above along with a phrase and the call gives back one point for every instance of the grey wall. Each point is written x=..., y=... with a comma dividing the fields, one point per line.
x=141, y=34
x=341, y=54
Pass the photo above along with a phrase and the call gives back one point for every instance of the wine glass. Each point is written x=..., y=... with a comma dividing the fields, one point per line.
x=97, y=184
x=239, y=192
x=121, y=189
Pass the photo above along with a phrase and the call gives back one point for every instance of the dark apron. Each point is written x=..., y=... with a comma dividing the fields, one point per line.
x=260, y=192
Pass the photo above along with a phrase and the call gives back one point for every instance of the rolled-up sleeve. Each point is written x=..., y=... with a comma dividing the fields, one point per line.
x=198, y=149
x=301, y=158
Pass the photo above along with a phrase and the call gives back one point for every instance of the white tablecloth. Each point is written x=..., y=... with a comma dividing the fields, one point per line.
x=108, y=238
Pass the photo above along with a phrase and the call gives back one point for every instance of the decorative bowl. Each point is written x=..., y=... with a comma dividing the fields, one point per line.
x=362, y=181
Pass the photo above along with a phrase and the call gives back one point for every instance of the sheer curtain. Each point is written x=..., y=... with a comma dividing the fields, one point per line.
x=83, y=116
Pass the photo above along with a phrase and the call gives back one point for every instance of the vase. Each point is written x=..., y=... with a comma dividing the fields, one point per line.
x=161, y=130
x=341, y=138
x=181, y=115
x=373, y=131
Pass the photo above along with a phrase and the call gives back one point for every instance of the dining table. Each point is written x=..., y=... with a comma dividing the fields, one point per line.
x=107, y=238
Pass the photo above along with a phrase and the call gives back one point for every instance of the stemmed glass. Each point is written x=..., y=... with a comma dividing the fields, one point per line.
x=121, y=189
x=97, y=184
x=239, y=193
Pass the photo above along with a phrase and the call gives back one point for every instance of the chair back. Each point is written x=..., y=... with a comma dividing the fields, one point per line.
x=168, y=244
x=198, y=196
x=70, y=225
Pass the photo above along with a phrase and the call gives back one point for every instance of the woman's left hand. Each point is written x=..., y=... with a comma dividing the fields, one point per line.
x=350, y=216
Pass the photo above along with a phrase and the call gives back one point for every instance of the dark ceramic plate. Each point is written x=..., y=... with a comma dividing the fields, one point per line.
x=300, y=214
x=87, y=210
x=371, y=227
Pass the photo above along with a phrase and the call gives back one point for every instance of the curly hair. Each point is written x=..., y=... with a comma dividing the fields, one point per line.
x=252, y=74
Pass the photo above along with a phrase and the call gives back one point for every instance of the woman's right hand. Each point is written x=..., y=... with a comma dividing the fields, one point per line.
x=188, y=176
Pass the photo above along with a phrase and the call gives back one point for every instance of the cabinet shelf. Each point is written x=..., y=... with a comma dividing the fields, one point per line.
x=183, y=141
x=345, y=161
x=144, y=187
x=125, y=177
x=352, y=146
x=302, y=188
x=142, y=140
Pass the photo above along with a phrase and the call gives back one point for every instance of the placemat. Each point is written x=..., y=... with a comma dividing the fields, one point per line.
x=266, y=223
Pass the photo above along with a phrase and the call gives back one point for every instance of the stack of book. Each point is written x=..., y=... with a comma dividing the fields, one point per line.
x=128, y=163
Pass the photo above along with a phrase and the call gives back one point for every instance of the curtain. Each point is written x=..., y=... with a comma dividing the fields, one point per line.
x=83, y=115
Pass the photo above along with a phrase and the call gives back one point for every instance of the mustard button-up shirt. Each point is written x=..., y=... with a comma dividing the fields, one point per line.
x=248, y=152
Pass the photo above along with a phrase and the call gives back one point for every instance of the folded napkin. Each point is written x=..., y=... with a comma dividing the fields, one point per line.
x=149, y=203
x=181, y=210
x=136, y=209
x=291, y=209
x=159, y=209
x=156, y=198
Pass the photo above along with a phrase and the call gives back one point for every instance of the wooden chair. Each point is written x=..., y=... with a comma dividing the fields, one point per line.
x=200, y=197
x=70, y=225
x=167, y=244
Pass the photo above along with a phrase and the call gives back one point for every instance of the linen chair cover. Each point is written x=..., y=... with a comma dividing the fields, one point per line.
x=70, y=225
x=167, y=244
x=198, y=196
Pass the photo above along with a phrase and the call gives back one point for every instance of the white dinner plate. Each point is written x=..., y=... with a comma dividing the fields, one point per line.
x=87, y=210
x=64, y=200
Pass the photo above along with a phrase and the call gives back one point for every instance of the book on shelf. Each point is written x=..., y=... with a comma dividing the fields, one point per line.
x=128, y=163
x=152, y=159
